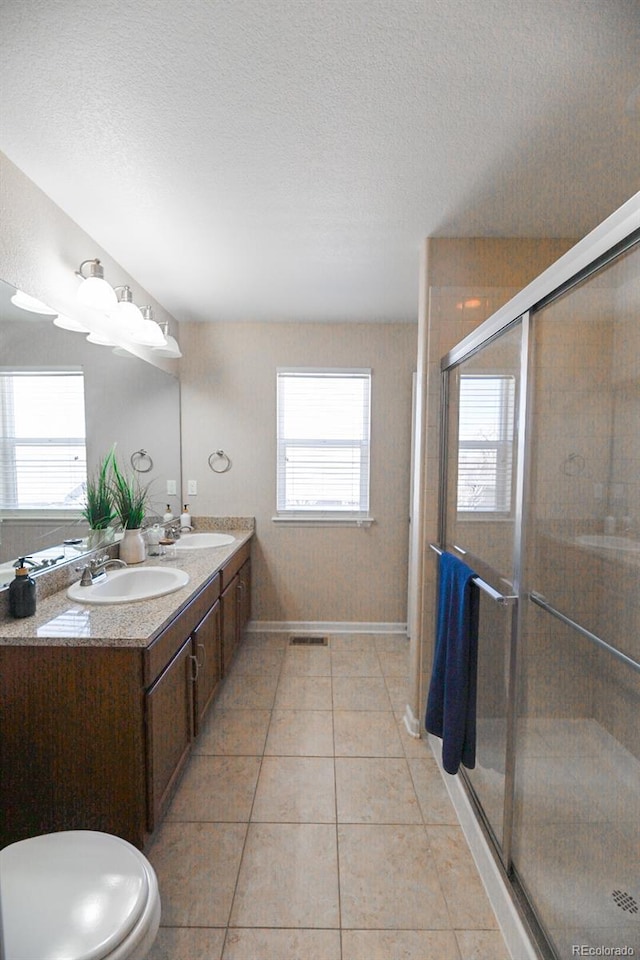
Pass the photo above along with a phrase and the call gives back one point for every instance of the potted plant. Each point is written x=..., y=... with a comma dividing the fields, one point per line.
x=98, y=510
x=130, y=503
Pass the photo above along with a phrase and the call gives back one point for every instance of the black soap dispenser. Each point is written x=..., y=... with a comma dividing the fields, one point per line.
x=22, y=593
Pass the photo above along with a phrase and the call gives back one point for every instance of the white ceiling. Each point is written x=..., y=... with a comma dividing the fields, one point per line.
x=284, y=159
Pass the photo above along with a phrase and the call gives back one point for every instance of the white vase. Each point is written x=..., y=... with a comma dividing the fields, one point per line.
x=132, y=548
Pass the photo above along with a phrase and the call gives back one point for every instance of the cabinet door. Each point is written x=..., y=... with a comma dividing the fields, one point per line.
x=244, y=597
x=207, y=651
x=229, y=624
x=169, y=705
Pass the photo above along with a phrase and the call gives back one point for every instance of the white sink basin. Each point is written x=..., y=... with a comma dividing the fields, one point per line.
x=199, y=541
x=609, y=542
x=129, y=585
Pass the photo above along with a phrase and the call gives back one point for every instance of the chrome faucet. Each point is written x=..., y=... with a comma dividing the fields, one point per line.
x=97, y=568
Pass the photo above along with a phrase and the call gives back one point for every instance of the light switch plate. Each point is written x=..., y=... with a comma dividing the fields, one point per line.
x=192, y=488
x=171, y=488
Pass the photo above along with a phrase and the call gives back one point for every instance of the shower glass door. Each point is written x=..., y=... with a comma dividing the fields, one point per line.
x=481, y=524
x=576, y=840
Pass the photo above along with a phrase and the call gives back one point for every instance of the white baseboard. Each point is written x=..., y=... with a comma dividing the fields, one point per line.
x=324, y=626
x=513, y=930
x=411, y=722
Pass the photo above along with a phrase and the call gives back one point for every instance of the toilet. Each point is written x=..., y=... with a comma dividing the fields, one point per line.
x=77, y=895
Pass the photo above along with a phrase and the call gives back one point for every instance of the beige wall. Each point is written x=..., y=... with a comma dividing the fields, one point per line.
x=302, y=573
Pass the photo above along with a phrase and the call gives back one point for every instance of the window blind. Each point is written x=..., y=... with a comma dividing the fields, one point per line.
x=485, y=443
x=323, y=427
x=43, y=462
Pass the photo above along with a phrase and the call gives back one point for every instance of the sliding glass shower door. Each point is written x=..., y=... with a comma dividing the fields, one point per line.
x=481, y=526
x=576, y=840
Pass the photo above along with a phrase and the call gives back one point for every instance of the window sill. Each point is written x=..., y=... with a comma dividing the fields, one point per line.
x=319, y=521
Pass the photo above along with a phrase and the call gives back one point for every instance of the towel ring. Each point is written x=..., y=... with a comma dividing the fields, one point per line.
x=220, y=455
x=137, y=459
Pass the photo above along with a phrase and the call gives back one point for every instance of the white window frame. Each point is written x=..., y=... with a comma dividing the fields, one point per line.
x=504, y=448
x=286, y=509
x=11, y=444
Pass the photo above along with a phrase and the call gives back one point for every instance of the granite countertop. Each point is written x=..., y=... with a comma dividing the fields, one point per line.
x=59, y=621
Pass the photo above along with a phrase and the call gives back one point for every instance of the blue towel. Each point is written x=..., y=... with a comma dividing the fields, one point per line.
x=451, y=704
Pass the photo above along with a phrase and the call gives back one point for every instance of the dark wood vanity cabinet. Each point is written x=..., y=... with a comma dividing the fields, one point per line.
x=96, y=737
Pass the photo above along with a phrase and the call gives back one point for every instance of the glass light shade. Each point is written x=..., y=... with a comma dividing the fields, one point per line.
x=25, y=302
x=97, y=293
x=150, y=335
x=67, y=323
x=171, y=349
x=102, y=339
x=131, y=319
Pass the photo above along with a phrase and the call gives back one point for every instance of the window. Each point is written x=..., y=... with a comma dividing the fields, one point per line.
x=485, y=443
x=43, y=462
x=323, y=443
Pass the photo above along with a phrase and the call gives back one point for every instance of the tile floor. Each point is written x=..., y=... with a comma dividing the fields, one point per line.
x=310, y=825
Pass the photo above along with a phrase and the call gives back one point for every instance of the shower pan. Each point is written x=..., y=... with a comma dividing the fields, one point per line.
x=540, y=495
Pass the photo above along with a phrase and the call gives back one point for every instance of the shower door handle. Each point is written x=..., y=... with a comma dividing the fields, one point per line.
x=505, y=600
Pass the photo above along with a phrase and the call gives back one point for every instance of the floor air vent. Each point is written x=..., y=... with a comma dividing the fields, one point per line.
x=625, y=901
x=308, y=641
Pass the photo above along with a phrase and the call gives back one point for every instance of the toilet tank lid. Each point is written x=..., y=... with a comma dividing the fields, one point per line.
x=76, y=894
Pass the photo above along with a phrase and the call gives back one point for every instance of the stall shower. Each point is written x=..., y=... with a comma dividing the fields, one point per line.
x=540, y=495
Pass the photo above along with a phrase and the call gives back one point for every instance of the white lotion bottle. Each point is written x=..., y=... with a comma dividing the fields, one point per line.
x=185, y=517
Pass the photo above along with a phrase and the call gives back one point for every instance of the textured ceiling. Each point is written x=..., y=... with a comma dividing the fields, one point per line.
x=284, y=159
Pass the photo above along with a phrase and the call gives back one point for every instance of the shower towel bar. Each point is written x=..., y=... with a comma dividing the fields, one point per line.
x=501, y=598
x=540, y=601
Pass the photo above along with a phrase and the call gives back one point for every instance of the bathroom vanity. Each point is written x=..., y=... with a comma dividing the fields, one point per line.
x=100, y=705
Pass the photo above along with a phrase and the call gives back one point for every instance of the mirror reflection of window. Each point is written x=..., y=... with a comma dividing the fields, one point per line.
x=485, y=443
x=43, y=460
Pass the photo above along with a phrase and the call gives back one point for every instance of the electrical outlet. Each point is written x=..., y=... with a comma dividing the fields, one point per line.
x=171, y=488
x=192, y=488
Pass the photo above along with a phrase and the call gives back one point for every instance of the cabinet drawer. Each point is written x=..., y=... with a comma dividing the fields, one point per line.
x=233, y=565
x=158, y=654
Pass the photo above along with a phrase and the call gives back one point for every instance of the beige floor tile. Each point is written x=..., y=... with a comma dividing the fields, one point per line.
x=249, y=692
x=265, y=944
x=288, y=877
x=216, y=789
x=300, y=733
x=234, y=733
x=303, y=693
x=360, y=693
x=432, y=794
x=398, y=690
x=392, y=643
x=307, y=662
x=197, y=866
x=355, y=663
x=414, y=747
x=267, y=641
x=295, y=790
x=463, y=890
x=482, y=945
x=187, y=943
x=375, y=790
x=375, y=896
x=394, y=663
x=258, y=661
x=399, y=945
x=349, y=642
x=360, y=733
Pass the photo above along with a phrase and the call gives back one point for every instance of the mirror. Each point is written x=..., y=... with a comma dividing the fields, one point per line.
x=127, y=401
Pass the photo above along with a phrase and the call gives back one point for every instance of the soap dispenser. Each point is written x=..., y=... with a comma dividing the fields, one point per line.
x=185, y=518
x=22, y=592
x=168, y=516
